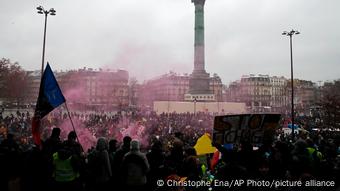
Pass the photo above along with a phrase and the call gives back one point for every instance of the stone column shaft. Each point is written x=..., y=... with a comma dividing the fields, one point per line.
x=199, y=54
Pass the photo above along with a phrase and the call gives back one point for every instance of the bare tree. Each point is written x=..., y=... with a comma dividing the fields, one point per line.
x=330, y=104
x=13, y=82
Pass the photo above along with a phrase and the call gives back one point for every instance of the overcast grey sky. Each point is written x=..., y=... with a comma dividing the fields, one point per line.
x=152, y=37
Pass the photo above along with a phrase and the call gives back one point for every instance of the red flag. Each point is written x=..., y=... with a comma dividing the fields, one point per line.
x=214, y=160
x=36, y=130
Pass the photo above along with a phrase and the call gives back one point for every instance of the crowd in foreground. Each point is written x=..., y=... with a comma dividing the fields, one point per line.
x=121, y=162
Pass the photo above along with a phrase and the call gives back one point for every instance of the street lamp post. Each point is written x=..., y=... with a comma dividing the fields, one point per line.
x=41, y=10
x=290, y=34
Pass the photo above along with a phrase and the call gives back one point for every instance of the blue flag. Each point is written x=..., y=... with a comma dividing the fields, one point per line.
x=50, y=97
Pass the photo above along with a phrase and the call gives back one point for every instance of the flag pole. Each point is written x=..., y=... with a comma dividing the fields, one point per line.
x=68, y=113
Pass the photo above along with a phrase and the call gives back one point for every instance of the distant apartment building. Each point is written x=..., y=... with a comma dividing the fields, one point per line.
x=305, y=95
x=216, y=87
x=34, y=78
x=134, y=88
x=253, y=90
x=87, y=88
x=96, y=88
x=279, y=99
x=231, y=93
x=264, y=93
x=167, y=87
x=173, y=87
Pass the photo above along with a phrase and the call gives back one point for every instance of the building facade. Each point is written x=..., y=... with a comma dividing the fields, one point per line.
x=87, y=88
x=263, y=93
x=96, y=89
x=305, y=96
x=34, y=78
x=253, y=90
x=279, y=98
x=174, y=87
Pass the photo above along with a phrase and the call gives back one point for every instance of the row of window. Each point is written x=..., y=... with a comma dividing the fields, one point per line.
x=202, y=97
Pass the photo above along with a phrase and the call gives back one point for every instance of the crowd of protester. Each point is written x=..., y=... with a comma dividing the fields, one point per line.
x=118, y=161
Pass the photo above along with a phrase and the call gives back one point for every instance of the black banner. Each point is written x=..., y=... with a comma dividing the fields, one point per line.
x=253, y=128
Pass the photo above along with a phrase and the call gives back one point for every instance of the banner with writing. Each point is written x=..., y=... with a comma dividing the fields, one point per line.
x=253, y=128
